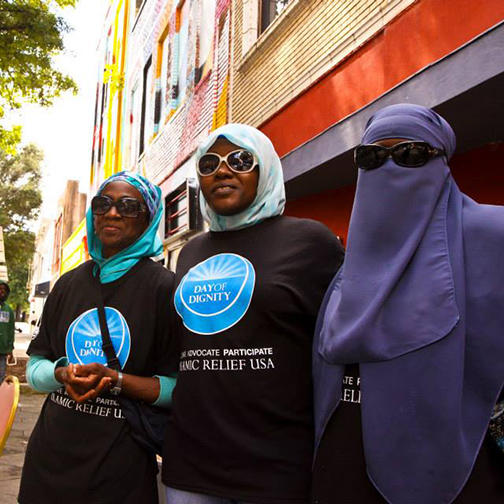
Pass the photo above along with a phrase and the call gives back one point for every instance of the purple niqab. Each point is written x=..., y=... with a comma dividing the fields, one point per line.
x=418, y=304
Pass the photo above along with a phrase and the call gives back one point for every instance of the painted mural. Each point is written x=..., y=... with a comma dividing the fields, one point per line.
x=163, y=85
x=106, y=147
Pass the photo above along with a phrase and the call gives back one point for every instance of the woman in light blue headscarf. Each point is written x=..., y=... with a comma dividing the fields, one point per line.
x=270, y=194
x=247, y=297
x=82, y=433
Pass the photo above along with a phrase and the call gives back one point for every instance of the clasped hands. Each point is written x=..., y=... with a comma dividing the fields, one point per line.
x=86, y=381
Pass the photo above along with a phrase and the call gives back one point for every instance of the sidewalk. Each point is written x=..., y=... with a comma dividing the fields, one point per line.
x=30, y=403
x=11, y=461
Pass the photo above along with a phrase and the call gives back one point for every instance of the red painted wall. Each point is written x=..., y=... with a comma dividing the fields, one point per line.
x=479, y=173
x=426, y=32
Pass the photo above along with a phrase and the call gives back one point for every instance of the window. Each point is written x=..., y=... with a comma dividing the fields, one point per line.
x=204, y=56
x=138, y=4
x=270, y=9
x=182, y=211
x=182, y=53
x=135, y=117
x=162, y=105
x=58, y=231
x=176, y=211
x=146, y=122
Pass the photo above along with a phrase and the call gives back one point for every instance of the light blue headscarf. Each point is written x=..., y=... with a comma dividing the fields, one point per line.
x=148, y=245
x=270, y=198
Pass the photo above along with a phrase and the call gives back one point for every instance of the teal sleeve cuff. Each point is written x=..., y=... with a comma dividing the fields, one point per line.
x=166, y=386
x=40, y=373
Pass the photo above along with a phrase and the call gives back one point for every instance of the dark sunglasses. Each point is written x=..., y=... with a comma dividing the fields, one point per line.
x=126, y=207
x=239, y=161
x=408, y=154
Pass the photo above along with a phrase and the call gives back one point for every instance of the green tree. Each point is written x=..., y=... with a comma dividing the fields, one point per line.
x=19, y=250
x=30, y=35
x=20, y=201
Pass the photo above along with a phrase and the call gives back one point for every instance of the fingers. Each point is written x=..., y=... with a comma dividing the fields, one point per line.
x=87, y=376
x=80, y=397
x=84, y=384
x=103, y=386
x=86, y=381
x=74, y=394
x=87, y=369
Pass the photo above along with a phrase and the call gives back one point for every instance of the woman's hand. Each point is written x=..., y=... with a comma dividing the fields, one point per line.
x=83, y=382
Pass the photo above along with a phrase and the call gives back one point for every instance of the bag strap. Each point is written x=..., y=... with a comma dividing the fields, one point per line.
x=107, y=347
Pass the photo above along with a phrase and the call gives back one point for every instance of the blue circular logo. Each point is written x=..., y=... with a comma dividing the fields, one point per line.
x=216, y=293
x=84, y=341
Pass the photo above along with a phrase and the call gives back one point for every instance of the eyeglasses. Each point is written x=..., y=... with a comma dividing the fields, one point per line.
x=239, y=161
x=408, y=154
x=126, y=207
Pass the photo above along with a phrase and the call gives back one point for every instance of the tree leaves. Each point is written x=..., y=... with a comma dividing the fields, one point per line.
x=19, y=249
x=20, y=200
x=20, y=197
x=30, y=36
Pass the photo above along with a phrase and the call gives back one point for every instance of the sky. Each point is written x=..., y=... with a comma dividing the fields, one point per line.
x=64, y=131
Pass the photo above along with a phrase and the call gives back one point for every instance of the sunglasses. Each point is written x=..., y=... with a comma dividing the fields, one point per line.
x=126, y=207
x=239, y=161
x=408, y=154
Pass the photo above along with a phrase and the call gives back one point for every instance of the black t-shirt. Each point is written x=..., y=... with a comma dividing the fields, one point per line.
x=242, y=425
x=83, y=453
x=340, y=468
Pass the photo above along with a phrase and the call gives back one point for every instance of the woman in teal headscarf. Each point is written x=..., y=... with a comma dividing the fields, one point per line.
x=247, y=299
x=82, y=435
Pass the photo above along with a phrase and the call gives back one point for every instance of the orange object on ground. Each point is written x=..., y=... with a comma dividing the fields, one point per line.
x=9, y=398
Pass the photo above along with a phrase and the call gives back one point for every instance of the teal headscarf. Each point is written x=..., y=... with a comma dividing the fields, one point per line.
x=270, y=198
x=148, y=245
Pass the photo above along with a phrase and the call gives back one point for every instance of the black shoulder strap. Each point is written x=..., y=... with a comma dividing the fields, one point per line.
x=107, y=347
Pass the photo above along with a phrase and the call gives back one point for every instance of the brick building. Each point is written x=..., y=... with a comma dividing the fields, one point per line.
x=163, y=87
x=71, y=212
x=308, y=73
x=313, y=75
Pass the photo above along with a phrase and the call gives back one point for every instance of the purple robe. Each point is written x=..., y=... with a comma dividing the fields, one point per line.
x=419, y=304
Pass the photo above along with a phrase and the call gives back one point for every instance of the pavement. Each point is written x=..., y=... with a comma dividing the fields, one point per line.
x=11, y=461
x=21, y=340
x=30, y=403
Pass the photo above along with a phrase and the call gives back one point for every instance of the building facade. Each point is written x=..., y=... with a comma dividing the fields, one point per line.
x=39, y=283
x=70, y=216
x=312, y=75
x=163, y=87
x=309, y=74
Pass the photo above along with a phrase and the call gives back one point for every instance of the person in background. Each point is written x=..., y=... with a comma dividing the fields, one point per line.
x=409, y=347
x=81, y=449
x=6, y=329
x=248, y=295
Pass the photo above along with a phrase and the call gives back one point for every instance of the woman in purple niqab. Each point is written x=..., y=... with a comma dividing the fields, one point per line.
x=417, y=311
